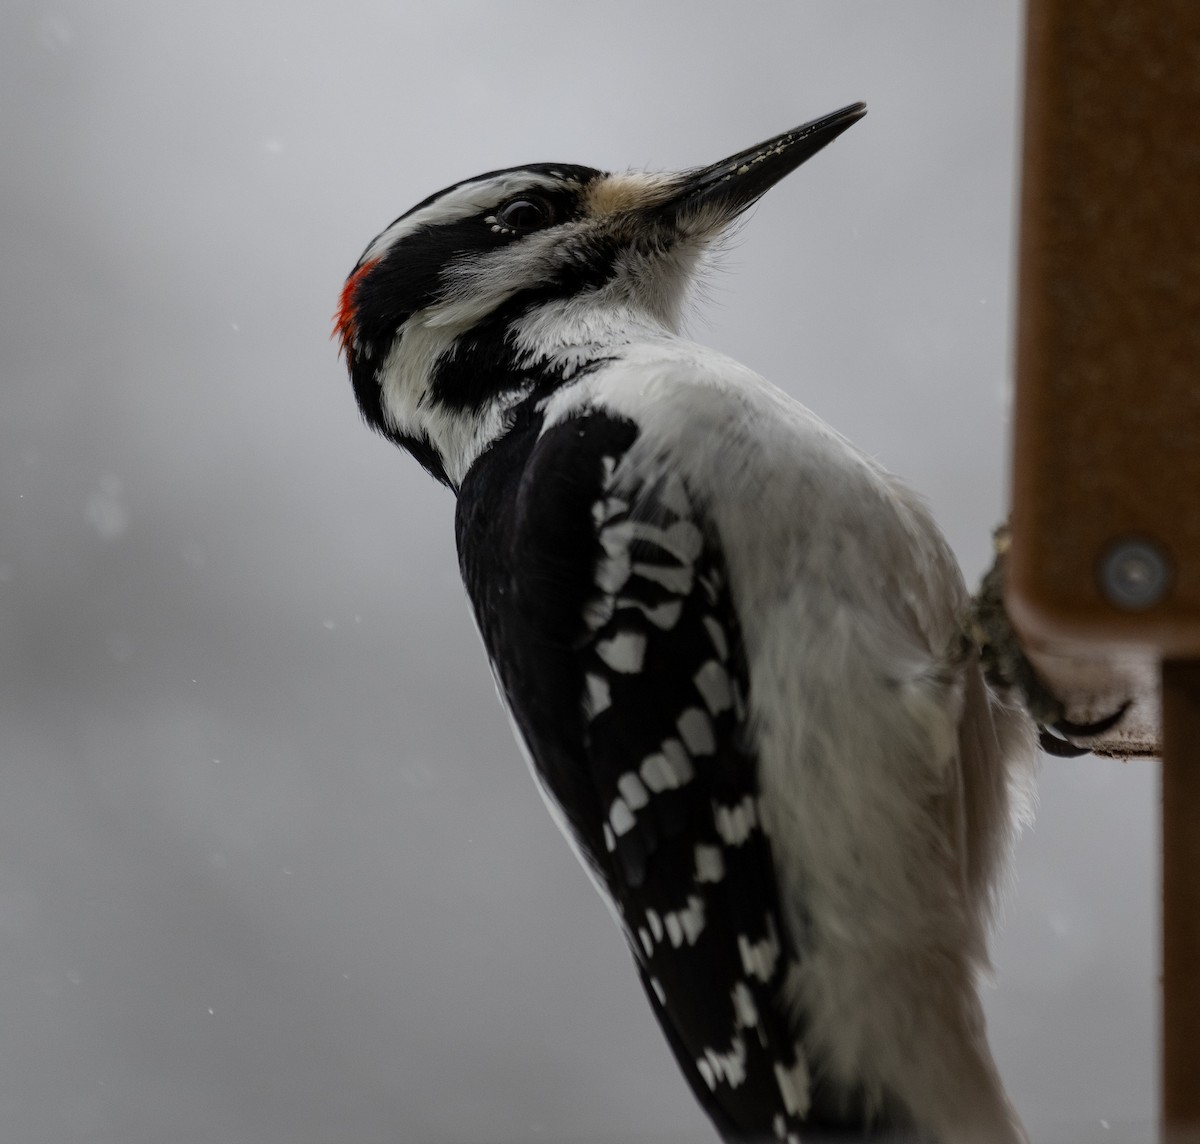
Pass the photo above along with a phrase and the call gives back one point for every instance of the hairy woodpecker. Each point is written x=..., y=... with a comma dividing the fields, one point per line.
x=729, y=641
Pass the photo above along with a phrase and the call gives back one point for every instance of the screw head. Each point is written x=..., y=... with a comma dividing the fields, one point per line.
x=1135, y=574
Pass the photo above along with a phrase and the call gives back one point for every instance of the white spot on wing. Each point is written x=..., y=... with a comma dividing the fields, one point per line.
x=677, y=580
x=731, y=1066
x=710, y=1078
x=682, y=539
x=599, y=697
x=657, y=774
x=620, y=817
x=663, y=616
x=612, y=572
x=632, y=790
x=691, y=918
x=598, y=611
x=606, y=508
x=679, y=760
x=744, y=1007
x=794, y=1086
x=659, y=992
x=696, y=731
x=734, y=823
x=616, y=537
x=712, y=681
x=710, y=866
x=759, y=957
x=624, y=652
x=656, y=926
x=647, y=944
x=717, y=634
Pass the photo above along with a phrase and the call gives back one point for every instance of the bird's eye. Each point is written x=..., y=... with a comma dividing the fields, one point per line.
x=524, y=215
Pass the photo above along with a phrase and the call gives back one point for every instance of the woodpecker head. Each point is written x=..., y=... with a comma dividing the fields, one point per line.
x=507, y=284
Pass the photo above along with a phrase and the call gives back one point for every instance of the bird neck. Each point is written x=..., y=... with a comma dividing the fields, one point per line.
x=461, y=388
x=564, y=336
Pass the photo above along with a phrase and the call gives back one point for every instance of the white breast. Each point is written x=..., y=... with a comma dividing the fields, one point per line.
x=849, y=601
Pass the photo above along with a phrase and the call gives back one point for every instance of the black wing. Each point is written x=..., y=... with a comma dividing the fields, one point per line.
x=606, y=614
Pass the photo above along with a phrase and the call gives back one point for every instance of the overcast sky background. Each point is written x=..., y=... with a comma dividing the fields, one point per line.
x=271, y=867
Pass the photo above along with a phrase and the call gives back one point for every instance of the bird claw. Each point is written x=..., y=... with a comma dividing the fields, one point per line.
x=1089, y=730
x=1006, y=666
x=1056, y=738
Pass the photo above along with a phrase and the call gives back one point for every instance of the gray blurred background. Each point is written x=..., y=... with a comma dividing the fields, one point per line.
x=271, y=868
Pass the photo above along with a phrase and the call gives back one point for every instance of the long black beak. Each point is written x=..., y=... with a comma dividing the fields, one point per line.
x=733, y=184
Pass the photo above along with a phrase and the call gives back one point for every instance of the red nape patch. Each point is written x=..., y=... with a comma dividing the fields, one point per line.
x=343, y=320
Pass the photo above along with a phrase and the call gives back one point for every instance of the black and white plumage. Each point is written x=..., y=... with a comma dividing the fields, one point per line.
x=728, y=640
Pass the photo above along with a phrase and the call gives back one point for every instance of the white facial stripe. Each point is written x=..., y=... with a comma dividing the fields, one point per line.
x=469, y=199
x=404, y=382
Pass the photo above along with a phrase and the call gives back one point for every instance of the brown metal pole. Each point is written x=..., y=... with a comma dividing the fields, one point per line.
x=1106, y=487
x=1106, y=520
x=1181, y=902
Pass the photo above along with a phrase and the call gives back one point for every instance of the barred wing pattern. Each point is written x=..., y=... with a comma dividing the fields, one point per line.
x=619, y=655
x=668, y=748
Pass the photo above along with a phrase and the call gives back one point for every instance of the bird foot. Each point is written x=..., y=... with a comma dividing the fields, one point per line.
x=1007, y=667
